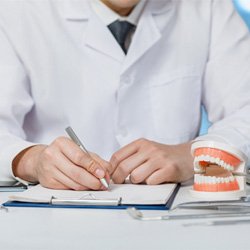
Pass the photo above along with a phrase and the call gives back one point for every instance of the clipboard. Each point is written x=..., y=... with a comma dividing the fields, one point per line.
x=93, y=203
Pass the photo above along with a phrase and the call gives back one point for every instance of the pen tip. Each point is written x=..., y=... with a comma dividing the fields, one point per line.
x=104, y=183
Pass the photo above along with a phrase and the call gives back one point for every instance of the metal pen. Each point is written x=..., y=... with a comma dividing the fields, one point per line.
x=75, y=139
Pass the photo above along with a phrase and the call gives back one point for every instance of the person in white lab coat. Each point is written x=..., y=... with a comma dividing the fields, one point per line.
x=135, y=103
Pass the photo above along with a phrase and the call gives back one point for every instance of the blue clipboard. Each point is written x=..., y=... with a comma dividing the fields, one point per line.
x=100, y=206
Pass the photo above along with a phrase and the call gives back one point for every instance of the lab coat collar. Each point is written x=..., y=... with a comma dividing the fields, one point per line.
x=98, y=37
x=155, y=19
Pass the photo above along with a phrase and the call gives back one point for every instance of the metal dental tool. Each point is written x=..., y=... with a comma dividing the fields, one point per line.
x=224, y=205
x=138, y=215
x=217, y=223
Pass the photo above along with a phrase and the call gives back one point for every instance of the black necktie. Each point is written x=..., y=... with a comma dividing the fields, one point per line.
x=120, y=30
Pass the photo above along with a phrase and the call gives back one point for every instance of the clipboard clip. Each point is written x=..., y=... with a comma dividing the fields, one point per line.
x=91, y=201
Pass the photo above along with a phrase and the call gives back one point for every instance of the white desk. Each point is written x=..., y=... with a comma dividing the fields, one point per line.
x=41, y=228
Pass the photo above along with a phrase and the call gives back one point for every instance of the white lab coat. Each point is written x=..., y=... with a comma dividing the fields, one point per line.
x=60, y=66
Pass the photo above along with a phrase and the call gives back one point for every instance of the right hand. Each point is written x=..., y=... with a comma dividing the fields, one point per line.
x=61, y=165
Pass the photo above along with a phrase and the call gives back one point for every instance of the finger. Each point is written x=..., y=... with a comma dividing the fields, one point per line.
x=79, y=157
x=105, y=164
x=77, y=174
x=127, y=166
x=53, y=184
x=141, y=173
x=161, y=176
x=68, y=182
x=122, y=154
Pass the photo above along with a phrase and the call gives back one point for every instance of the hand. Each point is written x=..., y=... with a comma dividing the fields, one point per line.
x=152, y=163
x=61, y=165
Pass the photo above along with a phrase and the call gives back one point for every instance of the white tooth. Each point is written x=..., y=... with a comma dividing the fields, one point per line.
x=214, y=180
x=209, y=158
x=210, y=180
x=229, y=167
x=206, y=158
x=200, y=158
x=196, y=166
x=198, y=179
x=231, y=178
x=196, y=169
x=213, y=160
x=218, y=180
x=206, y=179
x=221, y=162
x=203, y=179
x=217, y=160
x=227, y=180
x=225, y=166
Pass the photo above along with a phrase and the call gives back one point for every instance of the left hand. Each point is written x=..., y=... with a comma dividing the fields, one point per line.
x=152, y=163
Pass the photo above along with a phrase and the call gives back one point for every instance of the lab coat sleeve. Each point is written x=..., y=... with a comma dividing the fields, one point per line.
x=226, y=90
x=15, y=102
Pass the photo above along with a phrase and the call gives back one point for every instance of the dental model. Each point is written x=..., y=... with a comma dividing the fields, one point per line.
x=219, y=171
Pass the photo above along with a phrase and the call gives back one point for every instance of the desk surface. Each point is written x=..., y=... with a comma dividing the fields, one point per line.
x=39, y=228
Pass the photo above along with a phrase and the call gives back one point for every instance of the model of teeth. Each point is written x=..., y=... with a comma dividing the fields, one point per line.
x=219, y=170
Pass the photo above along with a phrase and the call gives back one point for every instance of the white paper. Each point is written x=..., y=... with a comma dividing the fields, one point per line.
x=130, y=194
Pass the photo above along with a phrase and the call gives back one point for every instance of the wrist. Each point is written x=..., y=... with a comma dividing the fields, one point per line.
x=25, y=163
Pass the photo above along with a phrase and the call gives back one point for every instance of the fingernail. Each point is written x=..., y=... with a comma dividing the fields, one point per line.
x=99, y=173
